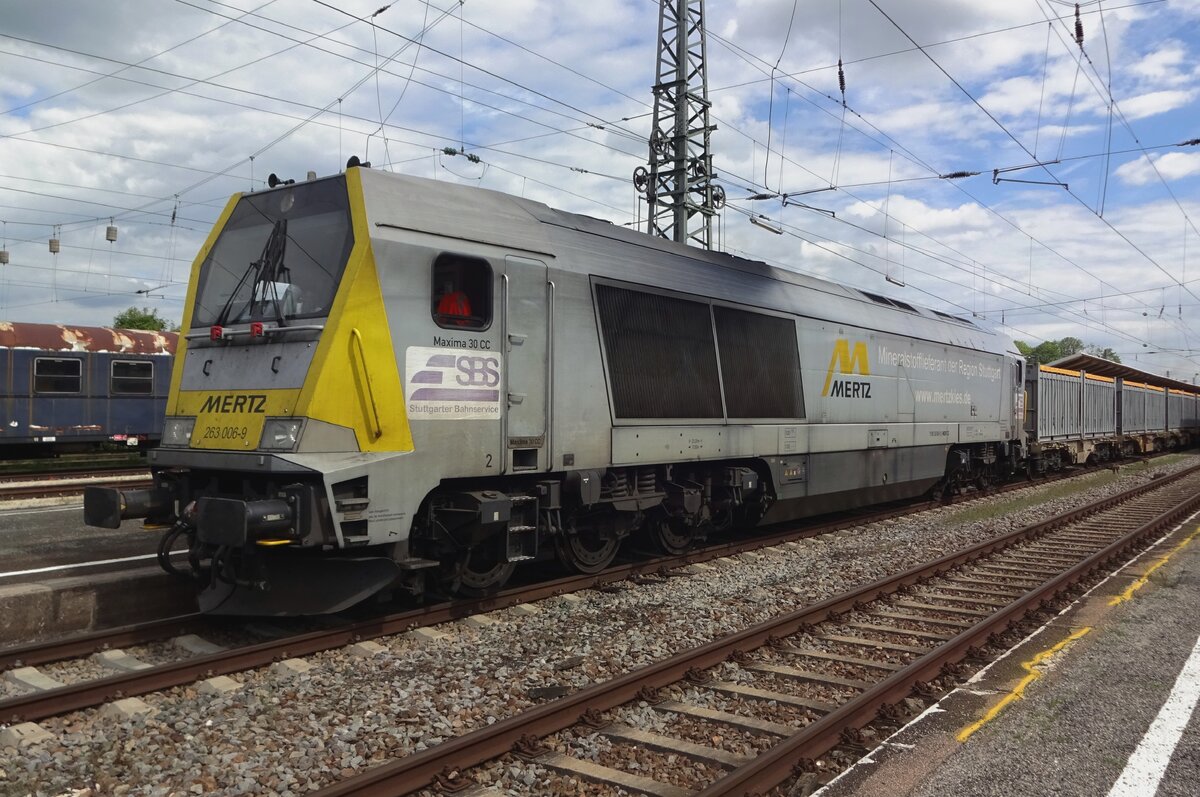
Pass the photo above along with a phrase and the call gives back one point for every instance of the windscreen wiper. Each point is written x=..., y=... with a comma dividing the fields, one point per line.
x=268, y=266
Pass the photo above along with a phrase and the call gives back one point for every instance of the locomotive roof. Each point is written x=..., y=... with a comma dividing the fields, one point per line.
x=496, y=218
x=68, y=337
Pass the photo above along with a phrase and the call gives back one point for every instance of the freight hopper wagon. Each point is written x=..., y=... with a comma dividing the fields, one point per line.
x=1077, y=415
x=389, y=383
x=69, y=388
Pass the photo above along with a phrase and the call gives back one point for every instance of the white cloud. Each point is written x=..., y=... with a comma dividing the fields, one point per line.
x=905, y=121
x=921, y=216
x=1171, y=165
x=1164, y=66
x=1154, y=103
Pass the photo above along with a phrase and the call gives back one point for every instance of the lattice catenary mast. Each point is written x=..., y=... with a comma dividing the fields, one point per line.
x=679, y=179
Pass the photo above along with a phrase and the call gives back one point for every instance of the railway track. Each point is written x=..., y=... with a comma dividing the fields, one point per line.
x=811, y=681
x=55, y=483
x=191, y=666
x=564, y=741
x=69, y=464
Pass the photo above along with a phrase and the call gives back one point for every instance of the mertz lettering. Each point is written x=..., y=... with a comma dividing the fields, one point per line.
x=232, y=404
x=842, y=388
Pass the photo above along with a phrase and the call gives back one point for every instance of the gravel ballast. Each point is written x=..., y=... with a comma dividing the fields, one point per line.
x=286, y=737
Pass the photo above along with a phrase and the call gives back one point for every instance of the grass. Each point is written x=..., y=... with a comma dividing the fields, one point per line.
x=109, y=458
x=1063, y=489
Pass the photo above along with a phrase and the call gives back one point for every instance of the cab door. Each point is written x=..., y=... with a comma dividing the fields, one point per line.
x=526, y=307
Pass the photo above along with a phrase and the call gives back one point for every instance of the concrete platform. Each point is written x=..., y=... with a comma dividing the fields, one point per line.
x=54, y=538
x=57, y=607
x=59, y=577
x=1067, y=711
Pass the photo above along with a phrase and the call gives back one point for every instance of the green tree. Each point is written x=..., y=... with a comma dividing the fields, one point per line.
x=1069, y=346
x=1050, y=350
x=1105, y=353
x=1047, y=351
x=144, y=318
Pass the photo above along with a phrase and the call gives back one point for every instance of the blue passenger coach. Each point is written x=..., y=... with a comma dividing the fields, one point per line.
x=70, y=388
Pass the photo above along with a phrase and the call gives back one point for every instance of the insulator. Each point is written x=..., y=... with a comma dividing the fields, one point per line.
x=1078, y=28
x=3, y=257
x=110, y=234
x=841, y=78
x=54, y=246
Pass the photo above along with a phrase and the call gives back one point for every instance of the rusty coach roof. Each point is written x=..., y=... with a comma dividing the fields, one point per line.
x=67, y=337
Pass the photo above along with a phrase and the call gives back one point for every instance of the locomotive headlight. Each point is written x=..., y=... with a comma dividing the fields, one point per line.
x=281, y=434
x=178, y=432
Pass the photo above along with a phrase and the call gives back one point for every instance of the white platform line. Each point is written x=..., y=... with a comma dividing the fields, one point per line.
x=1148, y=764
x=77, y=565
x=73, y=507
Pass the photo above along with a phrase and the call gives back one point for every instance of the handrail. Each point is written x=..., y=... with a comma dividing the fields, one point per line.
x=377, y=429
x=506, y=351
x=549, y=428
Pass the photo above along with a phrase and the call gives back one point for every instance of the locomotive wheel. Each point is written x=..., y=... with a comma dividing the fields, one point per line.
x=587, y=551
x=672, y=536
x=483, y=572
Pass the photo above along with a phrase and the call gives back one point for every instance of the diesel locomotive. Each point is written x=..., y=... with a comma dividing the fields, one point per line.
x=387, y=383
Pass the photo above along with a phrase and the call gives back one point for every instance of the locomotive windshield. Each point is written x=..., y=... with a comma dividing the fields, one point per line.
x=279, y=258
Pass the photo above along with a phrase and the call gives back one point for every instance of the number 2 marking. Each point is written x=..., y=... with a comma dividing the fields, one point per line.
x=488, y=464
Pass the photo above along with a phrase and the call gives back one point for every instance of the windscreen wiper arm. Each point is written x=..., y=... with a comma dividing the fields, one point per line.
x=269, y=263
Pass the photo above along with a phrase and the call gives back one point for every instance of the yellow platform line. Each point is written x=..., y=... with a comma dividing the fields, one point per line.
x=1162, y=560
x=1019, y=690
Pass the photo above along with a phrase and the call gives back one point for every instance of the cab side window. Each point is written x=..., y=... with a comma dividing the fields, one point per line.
x=462, y=292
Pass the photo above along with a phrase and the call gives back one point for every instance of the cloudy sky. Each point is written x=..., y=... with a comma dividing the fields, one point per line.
x=148, y=114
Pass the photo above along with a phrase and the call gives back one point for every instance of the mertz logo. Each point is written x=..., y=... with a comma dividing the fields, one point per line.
x=234, y=404
x=848, y=362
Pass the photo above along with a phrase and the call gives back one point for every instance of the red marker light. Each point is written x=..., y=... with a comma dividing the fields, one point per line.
x=216, y=332
x=256, y=329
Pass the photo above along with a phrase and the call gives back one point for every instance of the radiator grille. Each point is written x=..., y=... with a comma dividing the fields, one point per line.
x=760, y=365
x=661, y=356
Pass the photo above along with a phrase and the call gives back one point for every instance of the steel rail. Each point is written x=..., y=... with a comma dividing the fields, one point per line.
x=71, y=473
x=73, y=697
x=85, y=644
x=418, y=770
x=776, y=766
x=18, y=470
x=54, y=487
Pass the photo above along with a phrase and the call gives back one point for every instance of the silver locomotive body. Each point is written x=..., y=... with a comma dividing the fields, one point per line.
x=494, y=381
